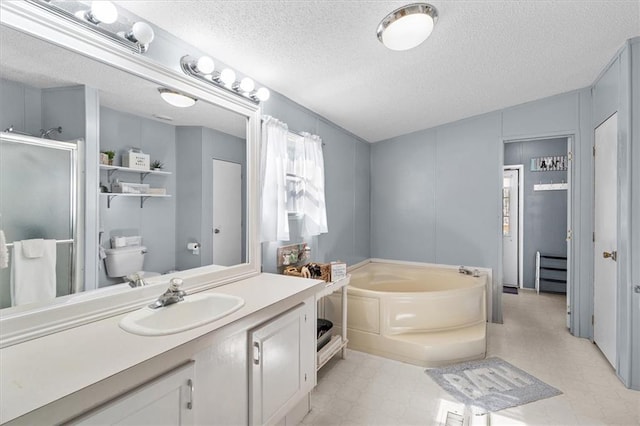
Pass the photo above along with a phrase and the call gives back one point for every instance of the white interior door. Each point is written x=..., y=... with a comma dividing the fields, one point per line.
x=606, y=239
x=510, y=228
x=227, y=213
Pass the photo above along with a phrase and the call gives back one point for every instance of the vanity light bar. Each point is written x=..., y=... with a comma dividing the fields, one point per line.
x=203, y=69
x=78, y=13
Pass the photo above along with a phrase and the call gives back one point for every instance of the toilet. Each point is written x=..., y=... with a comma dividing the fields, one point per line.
x=126, y=258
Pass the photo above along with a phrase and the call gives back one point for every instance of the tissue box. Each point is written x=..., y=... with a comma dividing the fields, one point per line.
x=338, y=270
x=136, y=160
x=130, y=188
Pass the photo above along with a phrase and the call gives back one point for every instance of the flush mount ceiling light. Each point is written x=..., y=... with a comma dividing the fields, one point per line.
x=408, y=26
x=176, y=99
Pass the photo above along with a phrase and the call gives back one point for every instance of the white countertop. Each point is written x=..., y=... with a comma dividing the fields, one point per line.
x=40, y=371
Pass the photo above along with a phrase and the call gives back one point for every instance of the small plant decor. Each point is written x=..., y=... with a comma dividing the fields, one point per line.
x=157, y=165
x=110, y=156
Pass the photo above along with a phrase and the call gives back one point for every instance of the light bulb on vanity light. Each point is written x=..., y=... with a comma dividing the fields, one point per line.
x=228, y=77
x=205, y=65
x=140, y=33
x=246, y=85
x=100, y=12
x=262, y=94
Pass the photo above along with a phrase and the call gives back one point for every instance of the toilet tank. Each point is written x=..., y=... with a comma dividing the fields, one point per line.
x=124, y=261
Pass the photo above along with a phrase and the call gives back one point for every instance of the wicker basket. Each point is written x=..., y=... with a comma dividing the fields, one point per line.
x=324, y=268
x=292, y=271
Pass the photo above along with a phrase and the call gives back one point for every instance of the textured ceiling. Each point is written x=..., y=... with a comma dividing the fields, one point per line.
x=482, y=55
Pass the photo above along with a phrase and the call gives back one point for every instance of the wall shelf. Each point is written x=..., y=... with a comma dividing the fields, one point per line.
x=143, y=173
x=143, y=197
x=551, y=187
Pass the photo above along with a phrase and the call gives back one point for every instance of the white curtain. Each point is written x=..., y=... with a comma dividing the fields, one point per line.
x=273, y=161
x=314, y=206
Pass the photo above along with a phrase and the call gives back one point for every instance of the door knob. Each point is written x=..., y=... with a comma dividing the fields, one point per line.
x=216, y=231
x=613, y=255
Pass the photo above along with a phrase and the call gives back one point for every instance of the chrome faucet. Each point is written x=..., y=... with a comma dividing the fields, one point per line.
x=173, y=294
x=467, y=271
x=135, y=280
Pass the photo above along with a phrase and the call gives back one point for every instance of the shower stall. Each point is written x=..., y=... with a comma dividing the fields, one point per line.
x=38, y=199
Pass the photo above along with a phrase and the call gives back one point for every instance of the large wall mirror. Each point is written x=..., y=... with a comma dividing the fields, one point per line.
x=59, y=110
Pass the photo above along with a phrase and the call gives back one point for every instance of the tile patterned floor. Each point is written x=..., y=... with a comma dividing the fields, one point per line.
x=369, y=390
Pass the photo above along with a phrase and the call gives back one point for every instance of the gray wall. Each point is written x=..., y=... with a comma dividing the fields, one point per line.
x=20, y=107
x=347, y=180
x=189, y=195
x=198, y=147
x=545, y=212
x=156, y=221
x=435, y=194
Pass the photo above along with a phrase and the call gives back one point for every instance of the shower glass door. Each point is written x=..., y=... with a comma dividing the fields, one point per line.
x=38, y=200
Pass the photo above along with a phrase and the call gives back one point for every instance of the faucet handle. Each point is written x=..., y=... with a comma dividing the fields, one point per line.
x=175, y=284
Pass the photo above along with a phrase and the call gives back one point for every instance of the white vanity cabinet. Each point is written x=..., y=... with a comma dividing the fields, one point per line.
x=167, y=400
x=221, y=370
x=282, y=358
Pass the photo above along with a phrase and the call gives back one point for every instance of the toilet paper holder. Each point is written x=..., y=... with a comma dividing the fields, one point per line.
x=194, y=248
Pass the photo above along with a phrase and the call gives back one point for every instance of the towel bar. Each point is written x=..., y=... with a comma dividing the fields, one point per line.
x=57, y=242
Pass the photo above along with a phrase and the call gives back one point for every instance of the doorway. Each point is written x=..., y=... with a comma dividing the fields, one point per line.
x=605, y=238
x=512, y=240
x=536, y=199
x=227, y=213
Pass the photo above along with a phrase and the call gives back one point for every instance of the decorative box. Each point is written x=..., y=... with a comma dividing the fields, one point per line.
x=104, y=158
x=136, y=160
x=129, y=188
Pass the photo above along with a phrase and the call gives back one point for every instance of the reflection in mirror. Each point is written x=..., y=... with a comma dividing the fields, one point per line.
x=189, y=212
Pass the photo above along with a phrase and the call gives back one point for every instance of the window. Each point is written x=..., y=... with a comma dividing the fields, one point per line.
x=295, y=174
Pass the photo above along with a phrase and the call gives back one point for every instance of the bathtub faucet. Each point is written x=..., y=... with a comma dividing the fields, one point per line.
x=467, y=271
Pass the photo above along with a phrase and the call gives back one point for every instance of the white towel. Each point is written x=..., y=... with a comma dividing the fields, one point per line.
x=4, y=252
x=33, y=279
x=33, y=249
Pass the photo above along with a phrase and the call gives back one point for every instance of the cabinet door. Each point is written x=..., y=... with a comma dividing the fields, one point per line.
x=282, y=364
x=163, y=401
x=221, y=369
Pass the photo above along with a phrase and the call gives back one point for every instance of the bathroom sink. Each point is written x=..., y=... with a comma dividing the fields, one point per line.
x=195, y=310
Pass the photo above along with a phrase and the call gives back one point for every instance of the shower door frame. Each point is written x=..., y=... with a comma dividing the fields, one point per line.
x=75, y=152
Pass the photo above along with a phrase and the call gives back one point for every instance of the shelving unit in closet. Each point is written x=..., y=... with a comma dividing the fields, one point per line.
x=551, y=273
x=111, y=170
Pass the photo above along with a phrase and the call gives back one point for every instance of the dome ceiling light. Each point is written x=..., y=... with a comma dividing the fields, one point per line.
x=176, y=99
x=408, y=26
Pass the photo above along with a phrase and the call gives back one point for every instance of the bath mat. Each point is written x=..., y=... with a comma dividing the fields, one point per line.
x=491, y=384
x=509, y=290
